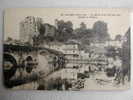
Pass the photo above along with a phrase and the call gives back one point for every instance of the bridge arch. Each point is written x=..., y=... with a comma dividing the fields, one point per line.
x=29, y=58
x=29, y=63
x=9, y=66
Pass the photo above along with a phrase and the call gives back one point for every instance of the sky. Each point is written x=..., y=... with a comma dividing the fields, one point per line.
x=118, y=20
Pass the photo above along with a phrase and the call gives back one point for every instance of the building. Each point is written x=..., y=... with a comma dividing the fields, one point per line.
x=29, y=27
x=84, y=55
x=69, y=73
x=71, y=49
x=114, y=43
x=50, y=30
x=98, y=44
x=58, y=46
x=72, y=53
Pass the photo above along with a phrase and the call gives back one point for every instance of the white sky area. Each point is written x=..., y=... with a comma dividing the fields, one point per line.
x=117, y=24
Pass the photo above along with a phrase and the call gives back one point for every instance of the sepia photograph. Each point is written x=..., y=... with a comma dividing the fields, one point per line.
x=66, y=49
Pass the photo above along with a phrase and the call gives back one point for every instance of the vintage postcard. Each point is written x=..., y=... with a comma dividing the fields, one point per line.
x=66, y=49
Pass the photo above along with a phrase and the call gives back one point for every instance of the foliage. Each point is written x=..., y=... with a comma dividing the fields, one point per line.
x=101, y=31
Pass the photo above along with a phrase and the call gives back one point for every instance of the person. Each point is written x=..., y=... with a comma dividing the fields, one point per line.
x=54, y=62
x=111, y=68
x=29, y=64
x=118, y=66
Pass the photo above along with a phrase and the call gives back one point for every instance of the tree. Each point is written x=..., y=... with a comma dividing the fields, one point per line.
x=83, y=26
x=83, y=34
x=126, y=54
x=41, y=29
x=82, y=30
x=68, y=27
x=118, y=37
x=60, y=26
x=9, y=39
x=100, y=29
x=64, y=30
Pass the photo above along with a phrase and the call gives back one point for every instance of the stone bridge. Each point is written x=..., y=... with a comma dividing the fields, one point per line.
x=14, y=57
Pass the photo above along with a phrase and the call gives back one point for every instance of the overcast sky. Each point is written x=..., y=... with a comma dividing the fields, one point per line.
x=117, y=19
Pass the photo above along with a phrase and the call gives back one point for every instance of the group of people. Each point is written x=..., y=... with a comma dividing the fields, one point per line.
x=115, y=69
